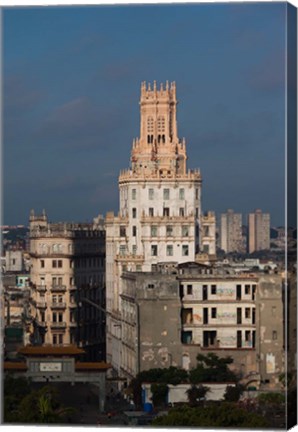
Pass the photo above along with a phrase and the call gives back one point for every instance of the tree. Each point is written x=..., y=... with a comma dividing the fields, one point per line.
x=211, y=368
x=225, y=415
x=24, y=405
x=159, y=394
x=233, y=393
x=196, y=394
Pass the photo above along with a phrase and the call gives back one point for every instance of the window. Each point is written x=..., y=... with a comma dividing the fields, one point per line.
x=169, y=250
x=247, y=312
x=151, y=211
x=247, y=335
x=134, y=213
x=60, y=339
x=122, y=231
x=166, y=194
x=151, y=194
x=133, y=194
x=189, y=289
x=42, y=263
x=185, y=231
x=138, y=268
x=154, y=250
x=247, y=289
x=213, y=312
x=54, y=263
x=197, y=212
x=273, y=310
x=60, y=263
x=169, y=230
x=181, y=194
x=181, y=212
x=55, y=339
x=184, y=250
x=134, y=231
x=134, y=249
x=153, y=231
x=197, y=193
x=166, y=211
x=213, y=289
x=122, y=250
x=150, y=286
x=274, y=335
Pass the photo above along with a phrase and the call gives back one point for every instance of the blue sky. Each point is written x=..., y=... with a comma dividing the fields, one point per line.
x=71, y=81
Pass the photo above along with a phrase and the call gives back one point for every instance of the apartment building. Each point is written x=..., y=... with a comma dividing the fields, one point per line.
x=258, y=231
x=231, y=239
x=67, y=280
x=177, y=311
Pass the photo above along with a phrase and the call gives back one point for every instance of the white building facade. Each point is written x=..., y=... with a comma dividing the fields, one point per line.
x=160, y=207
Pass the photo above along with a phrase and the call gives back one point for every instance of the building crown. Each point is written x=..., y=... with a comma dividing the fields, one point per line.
x=158, y=148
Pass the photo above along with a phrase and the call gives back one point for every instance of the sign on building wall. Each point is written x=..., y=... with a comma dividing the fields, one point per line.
x=50, y=367
x=270, y=363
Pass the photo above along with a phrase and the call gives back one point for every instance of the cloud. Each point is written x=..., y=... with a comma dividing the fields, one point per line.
x=20, y=100
x=78, y=123
x=19, y=96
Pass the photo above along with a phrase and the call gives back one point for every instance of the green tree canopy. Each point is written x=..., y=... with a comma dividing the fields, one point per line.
x=225, y=415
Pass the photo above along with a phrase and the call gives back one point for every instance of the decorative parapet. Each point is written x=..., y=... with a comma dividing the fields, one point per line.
x=130, y=257
x=130, y=175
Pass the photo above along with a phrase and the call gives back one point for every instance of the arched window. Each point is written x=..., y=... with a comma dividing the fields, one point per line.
x=161, y=124
x=150, y=125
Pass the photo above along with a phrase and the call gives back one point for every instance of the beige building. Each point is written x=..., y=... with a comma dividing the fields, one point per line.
x=67, y=284
x=172, y=314
x=258, y=231
x=160, y=207
x=231, y=239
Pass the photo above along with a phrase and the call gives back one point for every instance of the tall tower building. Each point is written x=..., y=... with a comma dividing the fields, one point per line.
x=231, y=232
x=160, y=206
x=258, y=231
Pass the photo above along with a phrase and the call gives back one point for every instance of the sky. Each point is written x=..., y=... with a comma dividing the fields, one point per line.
x=71, y=89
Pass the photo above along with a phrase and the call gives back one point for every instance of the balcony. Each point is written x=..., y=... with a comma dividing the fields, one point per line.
x=72, y=288
x=58, y=305
x=58, y=325
x=41, y=288
x=72, y=324
x=41, y=305
x=58, y=288
x=72, y=305
x=41, y=323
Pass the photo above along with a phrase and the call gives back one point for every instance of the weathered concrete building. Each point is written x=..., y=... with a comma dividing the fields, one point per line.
x=258, y=231
x=231, y=239
x=160, y=214
x=172, y=314
x=67, y=284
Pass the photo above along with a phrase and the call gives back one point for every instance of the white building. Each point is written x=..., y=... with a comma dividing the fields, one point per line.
x=160, y=207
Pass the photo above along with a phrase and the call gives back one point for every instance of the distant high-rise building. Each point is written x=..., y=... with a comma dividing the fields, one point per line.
x=231, y=239
x=258, y=231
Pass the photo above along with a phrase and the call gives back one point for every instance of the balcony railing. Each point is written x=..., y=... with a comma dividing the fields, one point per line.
x=41, y=305
x=58, y=305
x=72, y=324
x=41, y=323
x=72, y=305
x=72, y=288
x=41, y=288
x=60, y=288
x=60, y=325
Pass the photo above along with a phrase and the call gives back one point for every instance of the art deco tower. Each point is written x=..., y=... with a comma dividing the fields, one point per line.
x=160, y=206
